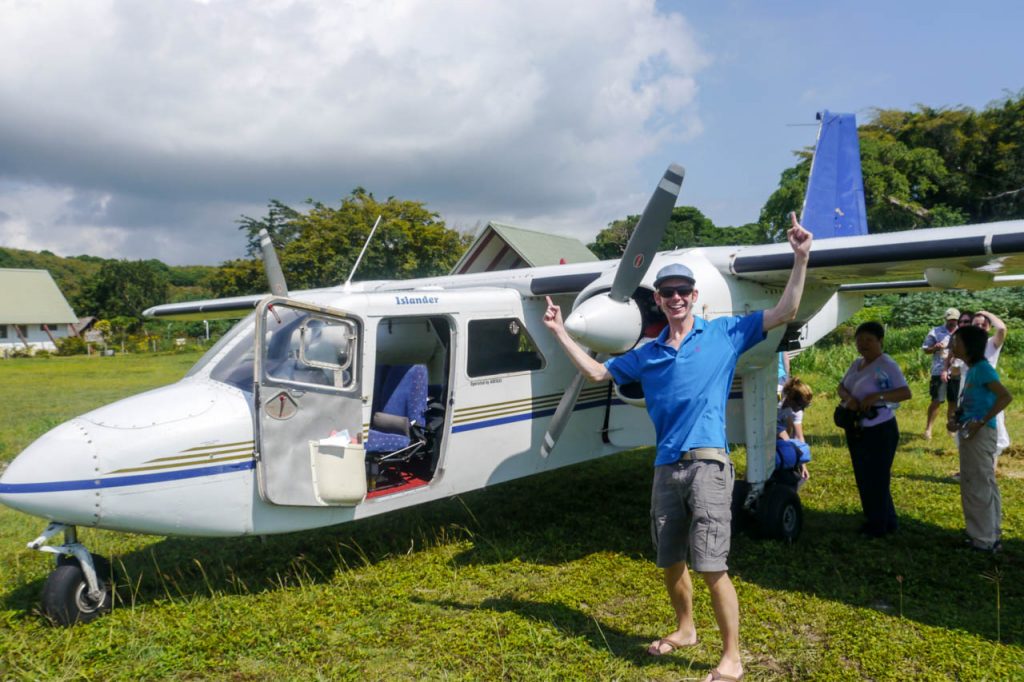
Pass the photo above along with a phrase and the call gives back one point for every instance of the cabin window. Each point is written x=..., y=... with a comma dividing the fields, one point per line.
x=501, y=346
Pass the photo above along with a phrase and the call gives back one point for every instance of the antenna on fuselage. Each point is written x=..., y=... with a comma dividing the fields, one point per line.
x=360, y=258
x=271, y=266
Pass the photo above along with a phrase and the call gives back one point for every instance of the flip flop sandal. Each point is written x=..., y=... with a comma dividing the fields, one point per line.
x=672, y=645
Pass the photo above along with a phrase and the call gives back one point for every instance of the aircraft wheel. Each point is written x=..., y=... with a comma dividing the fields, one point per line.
x=66, y=598
x=780, y=514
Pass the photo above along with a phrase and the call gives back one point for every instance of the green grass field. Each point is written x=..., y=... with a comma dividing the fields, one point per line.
x=544, y=578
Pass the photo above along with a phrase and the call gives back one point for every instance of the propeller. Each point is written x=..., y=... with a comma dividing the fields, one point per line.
x=635, y=261
x=275, y=276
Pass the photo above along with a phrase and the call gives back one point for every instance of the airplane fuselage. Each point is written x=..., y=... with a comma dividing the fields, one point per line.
x=208, y=455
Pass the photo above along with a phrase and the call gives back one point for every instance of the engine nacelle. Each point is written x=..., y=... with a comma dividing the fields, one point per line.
x=604, y=325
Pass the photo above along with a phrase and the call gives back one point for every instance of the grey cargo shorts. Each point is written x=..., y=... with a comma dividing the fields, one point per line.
x=691, y=513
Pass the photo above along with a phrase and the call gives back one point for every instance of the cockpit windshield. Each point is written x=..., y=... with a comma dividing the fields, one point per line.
x=236, y=366
x=242, y=327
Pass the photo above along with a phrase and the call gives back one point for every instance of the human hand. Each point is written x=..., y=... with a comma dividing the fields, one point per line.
x=799, y=238
x=973, y=427
x=804, y=473
x=553, y=316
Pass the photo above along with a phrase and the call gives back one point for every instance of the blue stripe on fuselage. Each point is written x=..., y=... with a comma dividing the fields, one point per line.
x=120, y=481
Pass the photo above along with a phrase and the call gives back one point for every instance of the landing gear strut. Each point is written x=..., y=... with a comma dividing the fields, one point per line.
x=80, y=588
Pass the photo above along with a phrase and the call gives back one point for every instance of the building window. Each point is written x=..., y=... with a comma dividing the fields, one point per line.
x=501, y=346
x=3, y=331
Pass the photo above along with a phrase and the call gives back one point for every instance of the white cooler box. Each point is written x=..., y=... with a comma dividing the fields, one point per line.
x=339, y=472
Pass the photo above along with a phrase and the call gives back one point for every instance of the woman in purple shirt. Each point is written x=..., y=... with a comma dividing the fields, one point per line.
x=871, y=387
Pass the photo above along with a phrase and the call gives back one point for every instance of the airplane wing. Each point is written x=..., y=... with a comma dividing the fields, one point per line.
x=211, y=309
x=964, y=257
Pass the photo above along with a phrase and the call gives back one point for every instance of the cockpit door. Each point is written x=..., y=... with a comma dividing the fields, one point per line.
x=308, y=388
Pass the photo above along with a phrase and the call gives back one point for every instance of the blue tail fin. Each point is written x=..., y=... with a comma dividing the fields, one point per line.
x=834, y=204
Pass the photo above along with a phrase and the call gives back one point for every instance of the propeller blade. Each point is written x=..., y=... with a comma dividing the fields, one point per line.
x=643, y=244
x=561, y=416
x=275, y=276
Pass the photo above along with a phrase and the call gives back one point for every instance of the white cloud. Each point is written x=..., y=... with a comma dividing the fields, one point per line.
x=537, y=110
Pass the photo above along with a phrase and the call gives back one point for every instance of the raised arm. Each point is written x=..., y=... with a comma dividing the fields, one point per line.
x=588, y=366
x=998, y=327
x=785, y=310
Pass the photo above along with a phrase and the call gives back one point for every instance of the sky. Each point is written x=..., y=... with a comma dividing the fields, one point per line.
x=147, y=129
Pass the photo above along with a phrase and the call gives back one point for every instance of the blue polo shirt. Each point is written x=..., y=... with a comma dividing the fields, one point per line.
x=686, y=390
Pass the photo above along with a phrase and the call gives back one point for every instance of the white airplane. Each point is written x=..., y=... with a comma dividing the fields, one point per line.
x=448, y=384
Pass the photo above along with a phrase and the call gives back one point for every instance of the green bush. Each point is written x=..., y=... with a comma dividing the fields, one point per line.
x=926, y=308
x=70, y=345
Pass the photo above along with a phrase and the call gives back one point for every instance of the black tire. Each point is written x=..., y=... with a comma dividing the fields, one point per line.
x=66, y=593
x=780, y=515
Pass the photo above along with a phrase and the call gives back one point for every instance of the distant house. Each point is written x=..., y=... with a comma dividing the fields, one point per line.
x=504, y=247
x=33, y=311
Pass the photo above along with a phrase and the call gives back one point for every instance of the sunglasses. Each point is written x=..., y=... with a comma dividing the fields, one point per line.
x=667, y=292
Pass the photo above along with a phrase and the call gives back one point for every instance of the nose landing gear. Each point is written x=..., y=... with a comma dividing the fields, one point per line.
x=80, y=589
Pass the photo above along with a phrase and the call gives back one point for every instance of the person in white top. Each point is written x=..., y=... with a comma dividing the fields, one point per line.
x=871, y=387
x=936, y=344
x=955, y=367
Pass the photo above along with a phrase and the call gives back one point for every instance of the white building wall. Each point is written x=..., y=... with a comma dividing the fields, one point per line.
x=35, y=335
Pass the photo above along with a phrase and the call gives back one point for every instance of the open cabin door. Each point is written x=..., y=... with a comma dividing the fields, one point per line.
x=308, y=387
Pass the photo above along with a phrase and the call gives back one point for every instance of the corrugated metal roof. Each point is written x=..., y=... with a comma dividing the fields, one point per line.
x=32, y=297
x=533, y=248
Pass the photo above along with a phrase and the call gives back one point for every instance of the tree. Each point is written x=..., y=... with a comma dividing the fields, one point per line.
x=788, y=197
x=122, y=288
x=687, y=227
x=928, y=168
x=318, y=248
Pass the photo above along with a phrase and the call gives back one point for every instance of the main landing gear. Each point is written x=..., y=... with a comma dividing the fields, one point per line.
x=775, y=513
x=80, y=588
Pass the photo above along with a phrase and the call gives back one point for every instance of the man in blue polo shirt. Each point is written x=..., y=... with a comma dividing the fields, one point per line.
x=686, y=374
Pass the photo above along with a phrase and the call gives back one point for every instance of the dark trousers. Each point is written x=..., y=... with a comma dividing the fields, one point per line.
x=871, y=452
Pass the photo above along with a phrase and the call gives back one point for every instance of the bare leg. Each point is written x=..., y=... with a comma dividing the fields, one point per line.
x=727, y=615
x=933, y=411
x=680, y=593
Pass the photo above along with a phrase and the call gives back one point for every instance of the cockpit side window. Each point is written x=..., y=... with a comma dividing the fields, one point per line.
x=305, y=348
